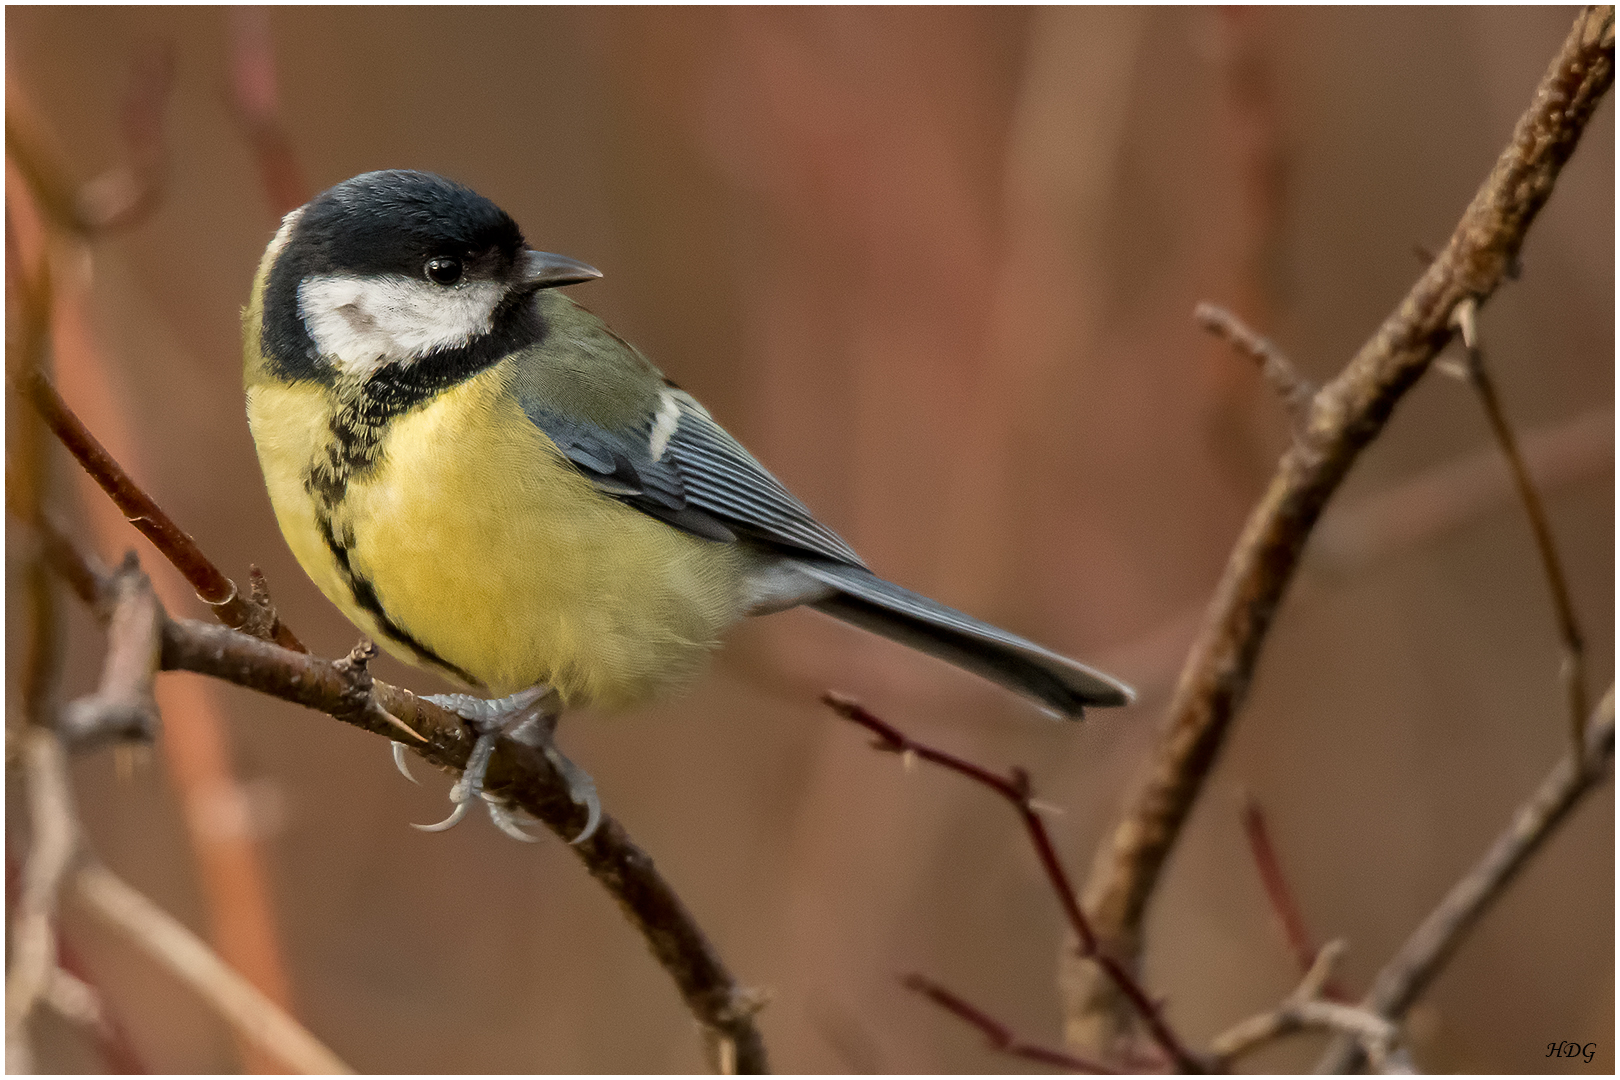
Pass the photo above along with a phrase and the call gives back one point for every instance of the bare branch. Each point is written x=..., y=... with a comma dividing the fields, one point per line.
x=1411, y=970
x=142, y=511
x=123, y=707
x=163, y=938
x=1296, y=391
x=1573, y=671
x=1304, y=1009
x=999, y=1035
x=55, y=843
x=1348, y=413
x=1016, y=790
x=518, y=773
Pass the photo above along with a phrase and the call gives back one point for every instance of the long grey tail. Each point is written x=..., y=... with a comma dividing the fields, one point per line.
x=1021, y=666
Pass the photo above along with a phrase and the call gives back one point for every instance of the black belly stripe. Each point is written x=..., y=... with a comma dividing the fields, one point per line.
x=365, y=594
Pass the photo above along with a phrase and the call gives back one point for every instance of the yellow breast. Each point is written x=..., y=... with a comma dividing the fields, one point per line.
x=483, y=546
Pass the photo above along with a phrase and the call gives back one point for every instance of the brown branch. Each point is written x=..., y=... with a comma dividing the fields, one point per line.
x=1573, y=671
x=999, y=1035
x=1016, y=790
x=142, y=511
x=123, y=706
x=165, y=939
x=1347, y=414
x=520, y=774
x=1437, y=938
x=1296, y=391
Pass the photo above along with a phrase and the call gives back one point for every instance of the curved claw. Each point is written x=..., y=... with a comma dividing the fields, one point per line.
x=506, y=821
x=399, y=763
x=450, y=822
x=581, y=789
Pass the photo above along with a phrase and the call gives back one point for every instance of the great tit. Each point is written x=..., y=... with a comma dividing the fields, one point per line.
x=492, y=484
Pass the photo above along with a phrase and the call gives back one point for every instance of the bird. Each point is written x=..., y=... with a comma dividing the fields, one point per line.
x=493, y=485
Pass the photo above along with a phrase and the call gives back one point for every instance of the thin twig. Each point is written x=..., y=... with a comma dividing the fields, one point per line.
x=55, y=842
x=1296, y=391
x=1573, y=669
x=1016, y=790
x=1284, y=904
x=1348, y=413
x=162, y=937
x=1415, y=965
x=142, y=511
x=999, y=1035
x=518, y=773
x=1304, y=1009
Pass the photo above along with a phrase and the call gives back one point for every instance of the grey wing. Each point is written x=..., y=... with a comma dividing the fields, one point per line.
x=682, y=467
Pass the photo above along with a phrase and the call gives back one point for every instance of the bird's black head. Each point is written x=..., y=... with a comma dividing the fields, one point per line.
x=398, y=270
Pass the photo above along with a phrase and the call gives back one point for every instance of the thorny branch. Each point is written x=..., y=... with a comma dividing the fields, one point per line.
x=518, y=774
x=1346, y=415
x=999, y=1035
x=1412, y=968
x=1573, y=670
x=1016, y=790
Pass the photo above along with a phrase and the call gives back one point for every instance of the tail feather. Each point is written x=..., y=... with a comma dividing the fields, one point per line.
x=1022, y=666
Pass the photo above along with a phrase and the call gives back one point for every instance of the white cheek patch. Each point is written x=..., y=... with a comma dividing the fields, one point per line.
x=364, y=323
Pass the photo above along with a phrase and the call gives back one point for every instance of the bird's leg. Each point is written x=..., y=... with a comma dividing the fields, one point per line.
x=528, y=717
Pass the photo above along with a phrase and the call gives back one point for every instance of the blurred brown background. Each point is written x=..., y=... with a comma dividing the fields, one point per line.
x=936, y=268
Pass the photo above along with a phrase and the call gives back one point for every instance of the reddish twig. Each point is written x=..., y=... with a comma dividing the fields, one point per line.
x=1016, y=790
x=1281, y=895
x=142, y=511
x=999, y=1035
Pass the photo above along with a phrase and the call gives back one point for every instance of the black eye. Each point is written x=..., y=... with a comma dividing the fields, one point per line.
x=443, y=270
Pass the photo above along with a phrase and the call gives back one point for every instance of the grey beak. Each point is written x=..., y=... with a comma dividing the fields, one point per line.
x=544, y=270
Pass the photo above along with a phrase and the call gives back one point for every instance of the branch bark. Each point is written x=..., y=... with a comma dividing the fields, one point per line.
x=1345, y=415
x=1411, y=970
x=345, y=690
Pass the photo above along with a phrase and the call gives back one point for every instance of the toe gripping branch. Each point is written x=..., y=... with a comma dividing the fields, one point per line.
x=528, y=718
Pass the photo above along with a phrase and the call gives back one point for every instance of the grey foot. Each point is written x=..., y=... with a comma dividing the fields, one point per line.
x=524, y=717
